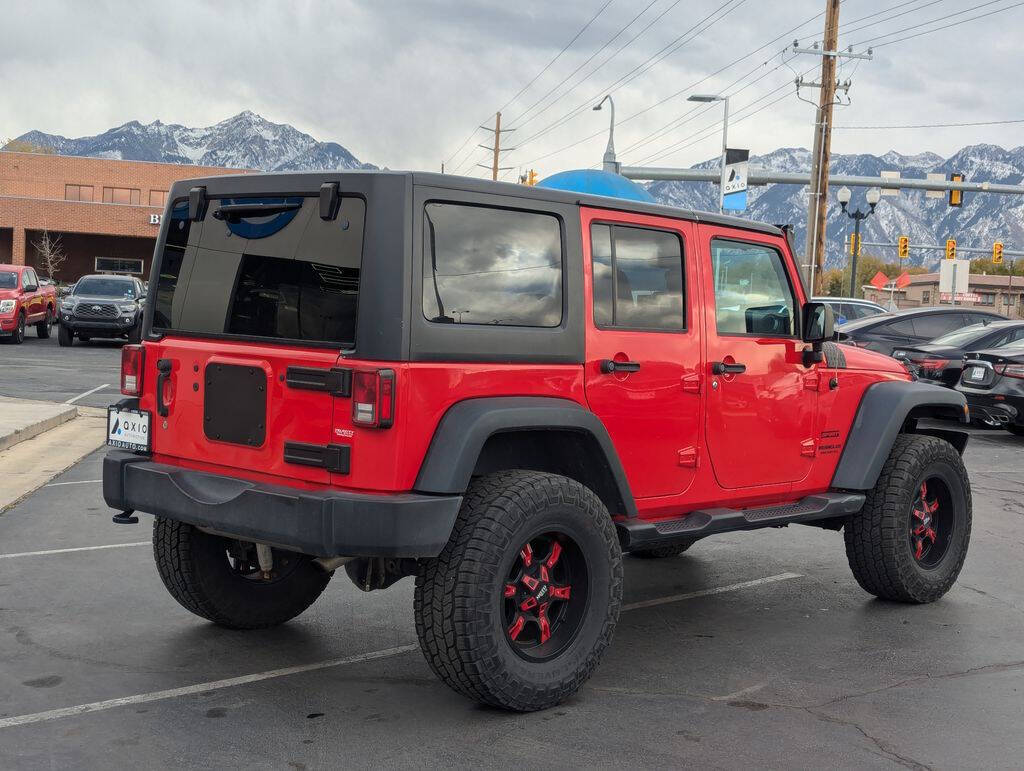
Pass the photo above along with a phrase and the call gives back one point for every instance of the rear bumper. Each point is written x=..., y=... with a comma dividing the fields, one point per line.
x=327, y=523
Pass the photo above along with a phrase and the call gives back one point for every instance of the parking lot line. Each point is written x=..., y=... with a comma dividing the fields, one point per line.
x=80, y=482
x=216, y=685
x=48, y=552
x=190, y=690
x=74, y=399
x=708, y=592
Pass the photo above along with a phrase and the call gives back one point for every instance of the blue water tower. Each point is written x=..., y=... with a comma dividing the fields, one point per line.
x=594, y=182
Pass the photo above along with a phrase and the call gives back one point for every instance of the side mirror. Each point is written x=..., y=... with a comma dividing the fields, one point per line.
x=819, y=323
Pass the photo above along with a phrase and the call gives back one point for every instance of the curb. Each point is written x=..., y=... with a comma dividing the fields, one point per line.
x=32, y=430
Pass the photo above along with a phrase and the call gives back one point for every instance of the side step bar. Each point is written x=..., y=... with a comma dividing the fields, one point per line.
x=639, y=534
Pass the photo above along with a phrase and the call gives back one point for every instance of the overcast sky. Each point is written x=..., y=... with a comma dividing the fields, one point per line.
x=402, y=82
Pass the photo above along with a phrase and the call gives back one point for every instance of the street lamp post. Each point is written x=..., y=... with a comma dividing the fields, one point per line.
x=873, y=196
x=609, y=162
x=725, y=138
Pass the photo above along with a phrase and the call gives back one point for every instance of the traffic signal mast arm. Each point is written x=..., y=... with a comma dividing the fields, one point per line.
x=959, y=249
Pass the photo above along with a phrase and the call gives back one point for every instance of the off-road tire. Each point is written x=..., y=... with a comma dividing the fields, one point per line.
x=1015, y=430
x=65, y=337
x=877, y=543
x=194, y=568
x=661, y=552
x=458, y=594
x=43, y=327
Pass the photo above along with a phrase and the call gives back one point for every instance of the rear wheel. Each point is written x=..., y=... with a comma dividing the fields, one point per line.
x=661, y=552
x=65, y=336
x=43, y=327
x=910, y=540
x=220, y=579
x=518, y=608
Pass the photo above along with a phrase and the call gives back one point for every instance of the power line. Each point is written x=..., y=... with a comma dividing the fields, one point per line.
x=890, y=18
x=929, y=125
x=933, y=21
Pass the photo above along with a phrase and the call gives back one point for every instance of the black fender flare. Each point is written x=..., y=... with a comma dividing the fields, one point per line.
x=467, y=425
x=882, y=414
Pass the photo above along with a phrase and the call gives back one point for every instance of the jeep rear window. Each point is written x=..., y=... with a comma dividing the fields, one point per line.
x=484, y=265
x=282, y=275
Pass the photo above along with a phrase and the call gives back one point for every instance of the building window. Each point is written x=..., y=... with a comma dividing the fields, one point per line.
x=1009, y=299
x=926, y=297
x=118, y=265
x=986, y=298
x=129, y=195
x=158, y=198
x=77, y=192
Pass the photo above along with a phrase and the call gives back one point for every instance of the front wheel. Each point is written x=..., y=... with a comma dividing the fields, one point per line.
x=910, y=540
x=220, y=579
x=18, y=337
x=520, y=605
x=65, y=336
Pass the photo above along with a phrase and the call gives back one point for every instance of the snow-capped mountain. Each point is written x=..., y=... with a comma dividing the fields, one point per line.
x=982, y=219
x=246, y=140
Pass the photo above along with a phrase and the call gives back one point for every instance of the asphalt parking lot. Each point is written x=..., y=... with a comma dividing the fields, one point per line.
x=86, y=373
x=750, y=650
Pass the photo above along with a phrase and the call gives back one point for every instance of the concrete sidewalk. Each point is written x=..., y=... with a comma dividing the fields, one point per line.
x=22, y=419
x=38, y=440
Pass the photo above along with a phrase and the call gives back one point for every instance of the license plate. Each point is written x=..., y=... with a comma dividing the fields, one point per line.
x=976, y=373
x=127, y=429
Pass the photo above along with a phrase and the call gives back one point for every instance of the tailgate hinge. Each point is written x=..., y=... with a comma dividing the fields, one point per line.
x=333, y=457
x=336, y=381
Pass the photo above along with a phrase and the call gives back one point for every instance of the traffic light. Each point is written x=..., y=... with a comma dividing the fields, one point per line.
x=531, y=178
x=997, y=253
x=956, y=197
x=904, y=247
x=856, y=242
x=950, y=248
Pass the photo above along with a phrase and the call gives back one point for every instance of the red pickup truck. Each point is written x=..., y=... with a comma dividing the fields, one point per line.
x=24, y=301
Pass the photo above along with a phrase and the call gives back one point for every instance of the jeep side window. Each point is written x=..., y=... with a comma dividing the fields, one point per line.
x=638, y=278
x=483, y=265
x=753, y=295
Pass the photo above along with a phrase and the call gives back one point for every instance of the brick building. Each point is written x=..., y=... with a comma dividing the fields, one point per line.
x=106, y=212
x=1002, y=294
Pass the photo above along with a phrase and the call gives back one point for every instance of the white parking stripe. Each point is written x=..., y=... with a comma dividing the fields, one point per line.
x=48, y=552
x=215, y=685
x=189, y=690
x=80, y=482
x=708, y=592
x=74, y=399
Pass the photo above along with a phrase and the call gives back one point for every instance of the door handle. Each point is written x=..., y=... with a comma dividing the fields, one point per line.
x=163, y=366
x=610, y=366
x=721, y=368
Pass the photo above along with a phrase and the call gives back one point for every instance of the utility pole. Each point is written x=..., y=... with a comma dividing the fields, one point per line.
x=821, y=156
x=496, y=148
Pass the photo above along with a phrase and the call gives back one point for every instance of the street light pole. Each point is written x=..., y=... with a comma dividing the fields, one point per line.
x=873, y=196
x=608, y=162
x=725, y=139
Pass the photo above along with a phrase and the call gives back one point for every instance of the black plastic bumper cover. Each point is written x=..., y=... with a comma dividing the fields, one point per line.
x=326, y=524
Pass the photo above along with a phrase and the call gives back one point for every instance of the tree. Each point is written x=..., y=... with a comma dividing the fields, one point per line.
x=24, y=146
x=50, y=252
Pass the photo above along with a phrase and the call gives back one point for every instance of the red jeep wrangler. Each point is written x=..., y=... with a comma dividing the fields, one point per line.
x=499, y=389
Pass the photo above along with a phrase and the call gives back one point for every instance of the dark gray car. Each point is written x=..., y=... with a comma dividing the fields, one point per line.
x=910, y=328
x=101, y=306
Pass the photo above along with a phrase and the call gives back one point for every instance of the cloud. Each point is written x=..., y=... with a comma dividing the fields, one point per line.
x=402, y=82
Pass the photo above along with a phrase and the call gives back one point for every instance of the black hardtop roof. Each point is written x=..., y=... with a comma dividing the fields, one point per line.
x=310, y=181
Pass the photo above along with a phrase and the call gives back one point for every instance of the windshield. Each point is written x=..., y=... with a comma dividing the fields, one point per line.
x=961, y=336
x=8, y=279
x=105, y=287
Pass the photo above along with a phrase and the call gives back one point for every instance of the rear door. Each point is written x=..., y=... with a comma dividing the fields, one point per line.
x=762, y=399
x=254, y=304
x=643, y=360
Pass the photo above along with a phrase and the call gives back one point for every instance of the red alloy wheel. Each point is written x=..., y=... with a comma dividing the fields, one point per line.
x=544, y=596
x=931, y=522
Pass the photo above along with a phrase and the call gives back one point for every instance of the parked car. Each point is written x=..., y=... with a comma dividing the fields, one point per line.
x=910, y=328
x=498, y=389
x=101, y=305
x=941, y=361
x=25, y=301
x=850, y=308
x=993, y=382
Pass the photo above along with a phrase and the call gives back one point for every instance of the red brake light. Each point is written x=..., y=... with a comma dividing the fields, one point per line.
x=133, y=358
x=934, y=365
x=1011, y=370
x=373, y=398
